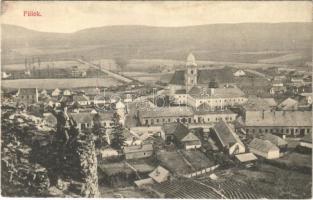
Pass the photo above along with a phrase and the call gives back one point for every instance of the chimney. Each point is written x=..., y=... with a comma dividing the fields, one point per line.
x=212, y=91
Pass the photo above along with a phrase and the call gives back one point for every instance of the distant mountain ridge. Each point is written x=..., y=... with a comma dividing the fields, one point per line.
x=148, y=41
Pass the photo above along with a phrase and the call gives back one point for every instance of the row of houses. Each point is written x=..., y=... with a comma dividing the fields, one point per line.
x=184, y=114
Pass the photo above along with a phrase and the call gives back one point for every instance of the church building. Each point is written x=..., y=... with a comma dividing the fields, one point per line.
x=194, y=87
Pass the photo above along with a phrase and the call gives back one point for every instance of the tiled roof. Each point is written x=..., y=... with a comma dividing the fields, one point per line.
x=288, y=103
x=190, y=137
x=245, y=157
x=167, y=112
x=178, y=78
x=205, y=108
x=273, y=139
x=175, y=128
x=279, y=118
x=159, y=174
x=263, y=145
x=205, y=92
x=225, y=133
x=255, y=104
x=204, y=76
x=139, y=148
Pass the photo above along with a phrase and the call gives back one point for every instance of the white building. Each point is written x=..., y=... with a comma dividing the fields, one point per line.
x=239, y=73
x=264, y=148
x=56, y=92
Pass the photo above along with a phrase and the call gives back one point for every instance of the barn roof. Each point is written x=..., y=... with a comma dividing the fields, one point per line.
x=167, y=112
x=175, y=128
x=225, y=134
x=139, y=148
x=279, y=118
x=246, y=157
x=262, y=145
x=190, y=137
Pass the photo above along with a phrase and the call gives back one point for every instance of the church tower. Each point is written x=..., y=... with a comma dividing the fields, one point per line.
x=191, y=73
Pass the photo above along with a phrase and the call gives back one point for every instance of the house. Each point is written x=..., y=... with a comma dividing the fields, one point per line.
x=246, y=159
x=276, y=140
x=226, y=138
x=83, y=120
x=56, y=92
x=290, y=123
x=278, y=90
x=128, y=98
x=185, y=115
x=160, y=174
x=106, y=119
x=173, y=132
x=108, y=152
x=76, y=72
x=162, y=115
x=217, y=98
x=27, y=95
x=5, y=75
x=239, y=73
x=67, y=93
x=264, y=148
x=86, y=120
x=137, y=152
x=81, y=100
x=206, y=114
x=288, y=104
x=131, y=139
x=191, y=141
x=277, y=83
x=257, y=105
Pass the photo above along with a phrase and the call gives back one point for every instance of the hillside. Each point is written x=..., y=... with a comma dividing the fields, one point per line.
x=219, y=41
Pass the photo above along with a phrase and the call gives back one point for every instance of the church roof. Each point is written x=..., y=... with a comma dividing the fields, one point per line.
x=204, y=76
x=199, y=92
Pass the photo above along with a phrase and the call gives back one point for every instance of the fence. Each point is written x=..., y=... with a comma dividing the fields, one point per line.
x=200, y=172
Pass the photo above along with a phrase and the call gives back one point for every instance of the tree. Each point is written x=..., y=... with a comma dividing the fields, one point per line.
x=99, y=131
x=118, y=136
x=121, y=62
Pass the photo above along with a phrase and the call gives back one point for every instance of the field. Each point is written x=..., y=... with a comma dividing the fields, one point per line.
x=44, y=65
x=150, y=77
x=296, y=160
x=284, y=58
x=60, y=83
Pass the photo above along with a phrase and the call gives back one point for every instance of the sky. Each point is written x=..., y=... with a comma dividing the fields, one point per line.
x=71, y=16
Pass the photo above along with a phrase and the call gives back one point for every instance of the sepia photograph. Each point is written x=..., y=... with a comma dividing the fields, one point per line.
x=156, y=99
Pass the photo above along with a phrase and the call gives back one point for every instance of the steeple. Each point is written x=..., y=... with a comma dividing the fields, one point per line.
x=191, y=60
x=191, y=73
